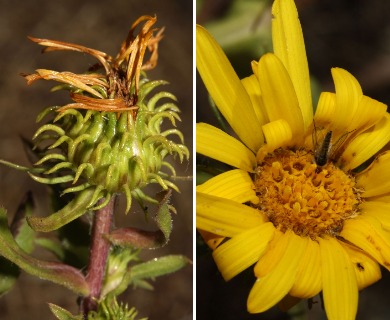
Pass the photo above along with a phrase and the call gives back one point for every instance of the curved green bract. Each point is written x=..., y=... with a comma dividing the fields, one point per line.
x=74, y=209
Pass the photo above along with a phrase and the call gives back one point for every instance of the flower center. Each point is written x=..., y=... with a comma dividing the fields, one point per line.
x=298, y=195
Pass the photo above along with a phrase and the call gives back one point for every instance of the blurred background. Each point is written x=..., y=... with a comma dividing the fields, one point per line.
x=101, y=25
x=351, y=34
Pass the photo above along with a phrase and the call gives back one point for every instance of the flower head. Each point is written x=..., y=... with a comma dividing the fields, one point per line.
x=297, y=203
x=111, y=138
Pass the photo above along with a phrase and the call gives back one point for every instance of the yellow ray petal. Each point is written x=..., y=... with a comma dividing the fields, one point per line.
x=339, y=283
x=348, y=95
x=366, y=144
x=326, y=109
x=375, y=180
x=215, y=143
x=382, y=198
x=289, y=46
x=367, y=234
x=225, y=217
x=279, y=98
x=271, y=257
x=369, y=112
x=235, y=185
x=243, y=250
x=251, y=85
x=379, y=210
x=255, y=67
x=308, y=281
x=270, y=289
x=323, y=117
x=226, y=89
x=277, y=134
x=367, y=270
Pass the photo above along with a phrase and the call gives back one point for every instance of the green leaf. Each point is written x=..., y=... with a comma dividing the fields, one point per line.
x=143, y=284
x=138, y=274
x=158, y=267
x=163, y=217
x=24, y=237
x=63, y=314
x=59, y=273
x=117, y=267
x=141, y=239
x=136, y=238
x=74, y=209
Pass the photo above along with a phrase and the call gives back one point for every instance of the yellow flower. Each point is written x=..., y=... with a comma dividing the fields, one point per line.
x=297, y=206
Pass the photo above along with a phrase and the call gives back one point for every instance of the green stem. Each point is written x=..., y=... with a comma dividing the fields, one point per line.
x=98, y=255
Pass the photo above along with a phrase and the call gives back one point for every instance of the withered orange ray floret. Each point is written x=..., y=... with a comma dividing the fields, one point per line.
x=93, y=79
x=55, y=45
x=133, y=49
x=84, y=102
x=78, y=81
x=121, y=89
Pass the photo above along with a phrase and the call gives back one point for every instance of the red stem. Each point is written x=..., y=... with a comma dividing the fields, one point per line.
x=98, y=255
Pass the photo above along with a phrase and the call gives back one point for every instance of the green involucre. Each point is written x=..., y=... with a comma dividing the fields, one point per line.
x=112, y=152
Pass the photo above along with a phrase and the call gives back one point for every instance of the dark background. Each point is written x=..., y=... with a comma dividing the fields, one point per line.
x=101, y=25
x=351, y=34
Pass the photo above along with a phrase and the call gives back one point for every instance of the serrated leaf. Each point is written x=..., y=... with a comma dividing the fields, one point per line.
x=63, y=314
x=56, y=272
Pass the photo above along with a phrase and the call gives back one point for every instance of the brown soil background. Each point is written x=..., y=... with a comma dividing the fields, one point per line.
x=351, y=34
x=101, y=25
